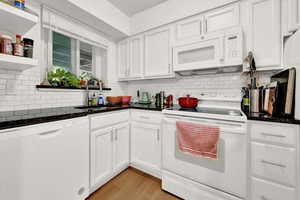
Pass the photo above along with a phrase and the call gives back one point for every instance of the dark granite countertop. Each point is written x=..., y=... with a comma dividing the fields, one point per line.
x=268, y=118
x=14, y=119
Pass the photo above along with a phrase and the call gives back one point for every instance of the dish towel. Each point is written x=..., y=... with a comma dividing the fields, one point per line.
x=199, y=140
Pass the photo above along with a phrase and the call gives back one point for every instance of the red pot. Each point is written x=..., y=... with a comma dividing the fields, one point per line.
x=188, y=102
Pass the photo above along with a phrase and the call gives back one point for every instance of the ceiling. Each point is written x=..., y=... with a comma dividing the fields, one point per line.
x=131, y=7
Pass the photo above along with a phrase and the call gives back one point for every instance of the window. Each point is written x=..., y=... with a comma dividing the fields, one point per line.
x=74, y=55
x=62, y=52
x=86, y=58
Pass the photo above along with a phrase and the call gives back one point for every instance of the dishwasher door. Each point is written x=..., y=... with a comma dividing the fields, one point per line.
x=227, y=173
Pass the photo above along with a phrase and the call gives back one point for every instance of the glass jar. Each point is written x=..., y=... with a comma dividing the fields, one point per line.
x=6, y=44
x=19, y=46
x=28, y=47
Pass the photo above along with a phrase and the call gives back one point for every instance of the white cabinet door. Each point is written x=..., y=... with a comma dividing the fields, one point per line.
x=123, y=59
x=145, y=147
x=221, y=19
x=189, y=28
x=136, y=57
x=121, y=146
x=294, y=15
x=158, y=53
x=101, y=157
x=47, y=162
x=264, y=32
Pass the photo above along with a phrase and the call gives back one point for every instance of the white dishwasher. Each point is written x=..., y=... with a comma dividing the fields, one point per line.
x=47, y=161
x=194, y=177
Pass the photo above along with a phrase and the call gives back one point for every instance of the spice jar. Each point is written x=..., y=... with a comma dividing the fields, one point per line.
x=19, y=46
x=6, y=44
x=28, y=47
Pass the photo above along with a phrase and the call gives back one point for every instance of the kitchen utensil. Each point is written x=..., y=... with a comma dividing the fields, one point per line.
x=114, y=100
x=126, y=100
x=188, y=102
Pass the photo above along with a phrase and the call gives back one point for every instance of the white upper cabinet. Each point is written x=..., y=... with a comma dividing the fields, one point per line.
x=158, y=53
x=136, y=56
x=264, y=33
x=189, y=28
x=131, y=58
x=207, y=23
x=222, y=18
x=123, y=59
x=294, y=15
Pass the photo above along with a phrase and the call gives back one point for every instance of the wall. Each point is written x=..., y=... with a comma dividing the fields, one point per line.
x=218, y=89
x=18, y=92
x=107, y=12
x=170, y=11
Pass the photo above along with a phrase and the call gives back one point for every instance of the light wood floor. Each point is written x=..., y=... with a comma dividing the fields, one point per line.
x=132, y=185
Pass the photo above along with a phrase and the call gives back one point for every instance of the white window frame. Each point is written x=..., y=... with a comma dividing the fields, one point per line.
x=75, y=54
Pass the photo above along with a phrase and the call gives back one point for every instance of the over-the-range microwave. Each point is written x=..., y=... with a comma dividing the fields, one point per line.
x=214, y=50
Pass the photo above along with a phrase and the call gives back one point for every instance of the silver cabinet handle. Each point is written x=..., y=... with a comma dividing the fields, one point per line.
x=49, y=132
x=206, y=28
x=273, y=135
x=158, y=135
x=272, y=163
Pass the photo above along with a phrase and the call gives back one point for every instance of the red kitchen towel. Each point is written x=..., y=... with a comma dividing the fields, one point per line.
x=200, y=140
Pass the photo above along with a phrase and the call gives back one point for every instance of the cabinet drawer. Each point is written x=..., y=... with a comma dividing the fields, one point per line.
x=274, y=163
x=264, y=190
x=109, y=119
x=147, y=117
x=278, y=134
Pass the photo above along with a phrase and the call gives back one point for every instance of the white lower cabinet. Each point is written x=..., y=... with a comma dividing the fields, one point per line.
x=47, y=161
x=101, y=157
x=274, y=161
x=145, y=147
x=109, y=148
x=121, y=146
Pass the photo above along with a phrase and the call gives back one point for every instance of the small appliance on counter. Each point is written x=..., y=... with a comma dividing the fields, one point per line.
x=145, y=98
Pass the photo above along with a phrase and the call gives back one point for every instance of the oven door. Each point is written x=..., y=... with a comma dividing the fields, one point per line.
x=227, y=174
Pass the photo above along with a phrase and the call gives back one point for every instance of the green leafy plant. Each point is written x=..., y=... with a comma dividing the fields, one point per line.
x=60, y=77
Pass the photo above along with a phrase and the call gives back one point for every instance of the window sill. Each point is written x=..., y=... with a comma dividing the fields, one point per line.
x=68, y=88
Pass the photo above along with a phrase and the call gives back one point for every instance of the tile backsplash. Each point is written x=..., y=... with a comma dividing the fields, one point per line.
x=214, y=89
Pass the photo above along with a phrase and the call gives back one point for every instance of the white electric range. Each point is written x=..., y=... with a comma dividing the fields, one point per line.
x=194, y=177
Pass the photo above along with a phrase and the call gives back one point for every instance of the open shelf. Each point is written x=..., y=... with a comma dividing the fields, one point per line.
x=16, y=63
x=15, y=20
